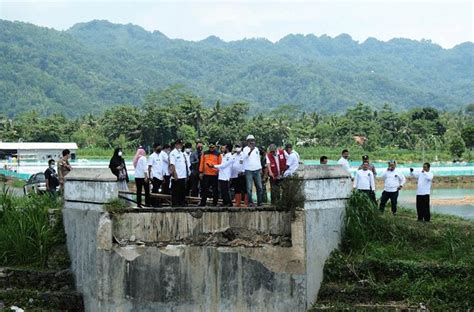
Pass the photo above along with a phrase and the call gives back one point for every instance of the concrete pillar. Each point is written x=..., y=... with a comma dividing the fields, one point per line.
x=326, y=190
x=85, y=193
x=184, y=276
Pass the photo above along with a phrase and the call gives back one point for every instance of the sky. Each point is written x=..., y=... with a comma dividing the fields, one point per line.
x=446, y=23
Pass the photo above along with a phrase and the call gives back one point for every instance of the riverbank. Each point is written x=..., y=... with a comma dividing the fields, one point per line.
x=391, y=263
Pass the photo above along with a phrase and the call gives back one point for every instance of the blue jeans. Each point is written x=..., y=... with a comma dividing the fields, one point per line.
x=254, y=177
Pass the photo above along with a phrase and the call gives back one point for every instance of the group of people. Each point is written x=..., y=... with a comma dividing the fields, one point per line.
x=55, y=179
x=394, y=181
x=181, y=171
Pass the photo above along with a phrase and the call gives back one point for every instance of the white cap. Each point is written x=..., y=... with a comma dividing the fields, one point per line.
x=250, y=137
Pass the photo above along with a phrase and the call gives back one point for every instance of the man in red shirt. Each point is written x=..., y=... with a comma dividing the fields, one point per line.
x=276, y=164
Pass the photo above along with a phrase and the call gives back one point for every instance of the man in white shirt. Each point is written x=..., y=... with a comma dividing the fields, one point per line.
x=425, y=178
x=393, y=183
x=165, y=163
x=253, y=170
x=155, y=171
x=364, y=181
x=179, y=170
x=344, y=160
x=371, y=166
x=225, y=172
x=292, y=161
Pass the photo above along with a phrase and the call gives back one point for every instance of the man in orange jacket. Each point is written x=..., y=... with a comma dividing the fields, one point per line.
x=209, y=174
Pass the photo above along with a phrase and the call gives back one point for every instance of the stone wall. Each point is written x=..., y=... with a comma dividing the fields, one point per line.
x=150, y=261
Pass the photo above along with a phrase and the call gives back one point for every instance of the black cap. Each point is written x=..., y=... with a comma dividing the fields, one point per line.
x=179, y=141
x=365, y=157
x=288, y=145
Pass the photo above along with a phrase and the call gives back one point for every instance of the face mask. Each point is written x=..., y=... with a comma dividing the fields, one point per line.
x=51, y=166
x=120, y=154
x=238, y=149
x=187, y=150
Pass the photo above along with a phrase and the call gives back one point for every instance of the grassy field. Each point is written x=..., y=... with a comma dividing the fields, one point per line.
x=389, y=263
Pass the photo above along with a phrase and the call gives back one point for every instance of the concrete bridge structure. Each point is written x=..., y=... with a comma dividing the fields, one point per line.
x=199, y=258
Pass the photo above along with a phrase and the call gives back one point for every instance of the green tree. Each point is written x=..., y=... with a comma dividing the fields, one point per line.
x=456, y=146
x=123, y=120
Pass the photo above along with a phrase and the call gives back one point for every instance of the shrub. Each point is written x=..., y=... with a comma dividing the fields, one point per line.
x=26, y=235
x=116, y=206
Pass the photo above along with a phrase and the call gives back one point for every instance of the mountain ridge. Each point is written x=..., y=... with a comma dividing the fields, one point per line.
x=97, y=64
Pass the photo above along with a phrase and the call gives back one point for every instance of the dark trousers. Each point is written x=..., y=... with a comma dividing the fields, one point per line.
x=178, y=192
x=53, y=193
x=156, y=184
x=166, y=185
x=240, y=185
x=209, y=181
x=393, y=196
x=423, y=207
x=225, y=192
x=264, y=191
x=193, y=184
x=371, y=195
x=275, y=190
x=140, y=183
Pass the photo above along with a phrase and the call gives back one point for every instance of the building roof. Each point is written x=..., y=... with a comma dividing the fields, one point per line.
x=37, y=146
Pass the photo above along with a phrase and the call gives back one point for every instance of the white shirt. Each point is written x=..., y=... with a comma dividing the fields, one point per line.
x=292, y=163
x=225, y=167
x=345, y=164
x=165, y=163
x=364, y=180
x=237, y=165
x=424, y=182
x=252, y=161
x=178, y=160
x=392, y=180
x=141, y=168
x=155, y=162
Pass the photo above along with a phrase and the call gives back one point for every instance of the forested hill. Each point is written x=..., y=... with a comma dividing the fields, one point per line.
x=95, y=65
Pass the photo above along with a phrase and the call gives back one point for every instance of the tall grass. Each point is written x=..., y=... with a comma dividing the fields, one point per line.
x=26, y=233
x=367, y=231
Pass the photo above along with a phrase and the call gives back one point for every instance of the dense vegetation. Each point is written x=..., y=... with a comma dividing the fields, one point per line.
x=175, y=113
x=30, y=229
x=395, y=263
x=96, y=65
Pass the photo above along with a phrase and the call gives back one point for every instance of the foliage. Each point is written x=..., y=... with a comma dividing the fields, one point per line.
x=176, y=112
x=94, y=66
x=467, y=135
x=116, y=206
x=292, y=196
x=26, y=233
x=456, y=146
x=386, y=261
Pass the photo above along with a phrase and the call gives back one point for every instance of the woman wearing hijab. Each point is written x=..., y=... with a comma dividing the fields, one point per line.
x=141, y=176
x=118, y=168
